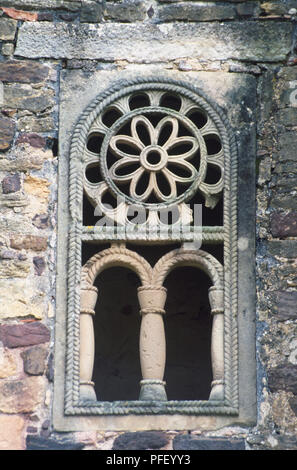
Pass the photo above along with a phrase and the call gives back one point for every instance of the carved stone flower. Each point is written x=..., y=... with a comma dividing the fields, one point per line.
x=155, y=149
x=144, y=152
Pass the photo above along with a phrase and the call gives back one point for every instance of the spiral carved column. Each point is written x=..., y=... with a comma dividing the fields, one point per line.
x=152, y=342
x=216, y=299
x=87, y=342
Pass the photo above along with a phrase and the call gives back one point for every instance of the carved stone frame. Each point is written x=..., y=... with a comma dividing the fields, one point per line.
x=69, y=412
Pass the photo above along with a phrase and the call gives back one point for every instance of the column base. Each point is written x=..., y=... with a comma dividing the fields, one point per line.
x=217, y=390
x=152, y=390
x=87, y=391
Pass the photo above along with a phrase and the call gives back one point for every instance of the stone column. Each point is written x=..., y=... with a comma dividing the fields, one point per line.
x=216, y=299
x=152, y=343
x=87, y=342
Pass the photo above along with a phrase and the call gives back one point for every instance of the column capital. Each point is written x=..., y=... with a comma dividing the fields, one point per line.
x=88, y=299
x=152, y=299
x=216, y=300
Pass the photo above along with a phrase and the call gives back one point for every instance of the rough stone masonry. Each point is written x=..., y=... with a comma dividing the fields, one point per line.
x=40, y=39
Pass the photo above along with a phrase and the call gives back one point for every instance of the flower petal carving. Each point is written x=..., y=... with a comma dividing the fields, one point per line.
x=133, y=186
x=148, y=126
x=121, y=164
x=130, y=143
x=173, y=122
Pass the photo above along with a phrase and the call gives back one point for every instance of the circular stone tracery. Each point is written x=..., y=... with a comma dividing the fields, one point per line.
x=137, y=152
x=140, y=146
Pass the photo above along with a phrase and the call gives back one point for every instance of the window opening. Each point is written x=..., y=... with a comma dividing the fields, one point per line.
x=152, y=147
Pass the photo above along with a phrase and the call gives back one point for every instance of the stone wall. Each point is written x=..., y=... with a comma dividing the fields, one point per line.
x=37, y=42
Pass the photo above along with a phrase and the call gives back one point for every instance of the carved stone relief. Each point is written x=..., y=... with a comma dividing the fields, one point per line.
x=151, y=146
x=137, y=139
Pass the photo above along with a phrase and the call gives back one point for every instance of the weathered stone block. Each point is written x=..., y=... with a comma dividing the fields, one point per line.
x=34, y=360
x=284, y=201
x=23, y=71
x=282, y=184
x=91, y=11
x=7, y=29
x=14, y=268
x=148, y=42
x=288, y=144
x=11, y=184
x=12, y=432
x=36, y=124
x=68, y=16
x=23, y=96
x=7, y=130
x=20, y=14
x=20, y=298
x=32, y=139
x=28, y=334
x=188, y=442
x=140, y=441
x=21, y=396
x=273, y=8
x=244, y=68
x=23, y=157
x=246, y=9
x=8, y=254
x=28, y=242
x=282, y=417
x=39, y=264
x=127, y=11
x=283, y=249
x=284, y=224
x=41, y=221
x=71, y=5
x=283, y=377
x=43, y=443
x=288, y=116
x=18, y=224
x=287, y=73
x=38, y=188
x=287, y=442
x=46, y=16
x=286, y=302
x=7, y=49
x=200, y=11
x=8, y=363
x=285, y=168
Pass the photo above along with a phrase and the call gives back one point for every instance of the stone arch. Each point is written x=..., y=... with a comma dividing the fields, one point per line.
x=213, y=268
x=180, y=257
x=119, y=256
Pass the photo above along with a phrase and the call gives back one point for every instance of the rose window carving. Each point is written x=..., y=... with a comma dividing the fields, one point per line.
x=152, y=149
x=154, y=158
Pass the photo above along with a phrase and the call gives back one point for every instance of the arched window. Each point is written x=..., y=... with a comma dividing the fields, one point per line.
x=153, y=169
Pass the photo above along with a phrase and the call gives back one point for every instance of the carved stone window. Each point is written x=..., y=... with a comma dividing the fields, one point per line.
x=153, y=165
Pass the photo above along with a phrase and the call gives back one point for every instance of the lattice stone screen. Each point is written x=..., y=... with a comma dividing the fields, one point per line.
x=157, y=160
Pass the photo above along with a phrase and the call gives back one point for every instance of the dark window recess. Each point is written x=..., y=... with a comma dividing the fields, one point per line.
x=117, y=322
x=188, y=323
